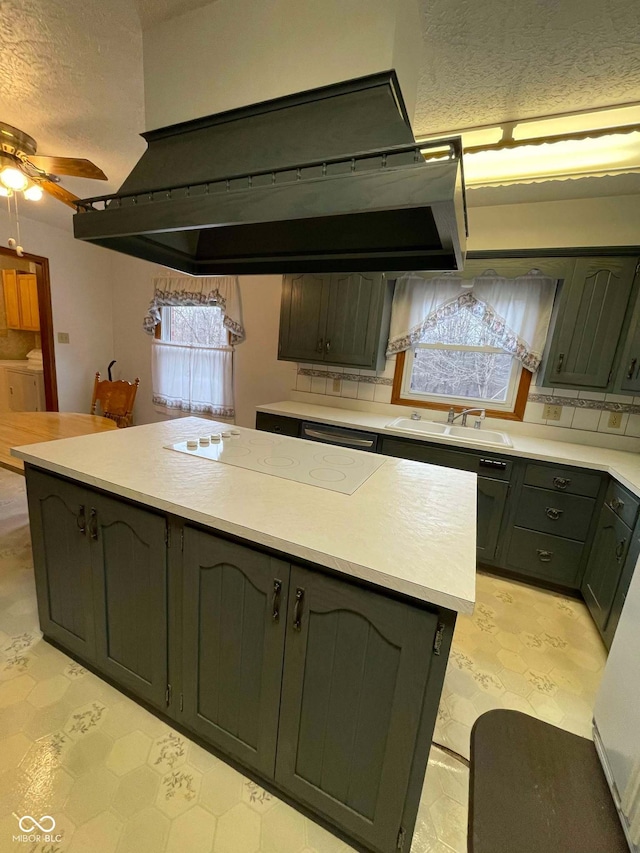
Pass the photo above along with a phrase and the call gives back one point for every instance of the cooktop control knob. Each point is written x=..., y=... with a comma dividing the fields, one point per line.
x=204, y=441
x=192, y=444
x=215, y=437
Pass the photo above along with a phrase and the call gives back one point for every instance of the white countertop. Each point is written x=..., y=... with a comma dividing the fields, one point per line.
x=410, y=527
x=622, y=465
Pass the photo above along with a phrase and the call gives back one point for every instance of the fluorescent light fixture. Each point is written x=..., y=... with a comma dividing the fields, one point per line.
x=591, y=144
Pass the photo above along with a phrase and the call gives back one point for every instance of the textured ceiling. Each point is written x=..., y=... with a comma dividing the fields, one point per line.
x=71, y=76
x=485, y=62
x=154, y=11
x=71, y=72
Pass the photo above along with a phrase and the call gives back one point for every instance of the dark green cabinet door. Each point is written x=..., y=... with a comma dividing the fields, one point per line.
x=356, y=669
x=129, y=559
x=492, y=498
x=606, y=562
x=591, y=313
x=353, y=324
x=234, y=616
x=58, y=514
x=303, y=317
x=629, y=372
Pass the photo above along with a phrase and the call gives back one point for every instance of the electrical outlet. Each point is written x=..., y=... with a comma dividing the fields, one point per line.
x=63, y=337
x=615, y=420
x=551, y=412
x=337, y=384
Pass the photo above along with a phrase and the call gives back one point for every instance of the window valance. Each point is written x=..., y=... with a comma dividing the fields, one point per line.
x=516, y=310
x=220, y=291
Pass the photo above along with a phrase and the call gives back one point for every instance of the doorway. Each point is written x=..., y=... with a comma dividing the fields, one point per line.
x=30, y=274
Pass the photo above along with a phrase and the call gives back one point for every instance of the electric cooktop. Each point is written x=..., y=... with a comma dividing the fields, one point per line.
x=324, y=465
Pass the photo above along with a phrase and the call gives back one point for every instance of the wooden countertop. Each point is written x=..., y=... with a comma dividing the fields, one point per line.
x=19, y=428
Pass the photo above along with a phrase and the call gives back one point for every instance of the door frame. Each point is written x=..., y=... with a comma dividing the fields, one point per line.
x=46, y=324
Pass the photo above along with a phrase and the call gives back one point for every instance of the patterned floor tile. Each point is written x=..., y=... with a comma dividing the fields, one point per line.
x=118, y=780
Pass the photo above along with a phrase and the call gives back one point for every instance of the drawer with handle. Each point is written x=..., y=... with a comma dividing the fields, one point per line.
x=623, y=503
x=558, y=514
x=546, y=557
x=571, y=481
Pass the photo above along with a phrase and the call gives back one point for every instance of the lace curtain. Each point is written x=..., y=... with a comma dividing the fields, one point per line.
x=194, y=379
x=516, y=310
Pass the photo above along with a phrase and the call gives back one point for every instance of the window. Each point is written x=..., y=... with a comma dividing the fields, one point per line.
x=192, y=362
x=470, y=341
x=193, y=326
x=459, y=360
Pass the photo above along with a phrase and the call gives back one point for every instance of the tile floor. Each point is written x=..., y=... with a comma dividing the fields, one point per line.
x=116, y=779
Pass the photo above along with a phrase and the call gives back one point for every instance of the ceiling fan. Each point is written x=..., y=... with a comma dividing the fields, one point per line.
x=22, y=170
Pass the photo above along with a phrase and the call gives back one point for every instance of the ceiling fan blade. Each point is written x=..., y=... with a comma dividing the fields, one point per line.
x=74, y=166
x=60, y=193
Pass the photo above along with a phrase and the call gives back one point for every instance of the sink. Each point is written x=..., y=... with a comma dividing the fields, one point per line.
x=481, y=436
x=423, y=427
x=452, y=432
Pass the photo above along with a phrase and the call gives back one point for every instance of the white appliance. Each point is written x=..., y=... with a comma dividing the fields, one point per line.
x=336, y=468
x=617, y=716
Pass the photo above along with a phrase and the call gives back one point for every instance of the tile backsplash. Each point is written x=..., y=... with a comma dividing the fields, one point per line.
x=581, y=410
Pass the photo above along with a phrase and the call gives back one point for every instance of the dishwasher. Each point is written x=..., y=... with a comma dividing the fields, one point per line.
x=354, y=438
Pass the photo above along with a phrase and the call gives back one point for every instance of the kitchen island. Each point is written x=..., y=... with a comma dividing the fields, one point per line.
x=299, y=631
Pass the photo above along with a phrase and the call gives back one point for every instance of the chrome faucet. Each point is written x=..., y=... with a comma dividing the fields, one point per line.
x=415, y=416
x=452, y=417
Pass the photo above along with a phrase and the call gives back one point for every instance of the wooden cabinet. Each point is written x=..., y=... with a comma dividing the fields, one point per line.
x=21, y=300
x=551, y=522
x=612, y=560
x=588, y=323
x=356, y=670
x=58, y=514
x=492, y=500
x=340, y=319
x=101, y=579
x=129, y=562
x=234, y=616
x=25, y=389
x=323, y=688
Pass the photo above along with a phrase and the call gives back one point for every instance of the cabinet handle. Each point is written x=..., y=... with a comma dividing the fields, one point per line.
x=93, y=524
x=560, y=362
x=81, y=520
x=615, y=504
x=553, y=513
x=297, y=610
x=275, y=602
x=327, y=346
x=620, y=549
x=632, y=367
x=544, y=556
x=320, y=346
x=561, y=482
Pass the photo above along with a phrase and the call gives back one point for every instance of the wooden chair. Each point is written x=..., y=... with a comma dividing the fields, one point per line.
x=116, y=399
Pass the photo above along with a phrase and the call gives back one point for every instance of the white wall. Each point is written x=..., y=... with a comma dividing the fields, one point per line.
x=237, y=52
x=608, y=221
x=81, y=305
x=258, y=376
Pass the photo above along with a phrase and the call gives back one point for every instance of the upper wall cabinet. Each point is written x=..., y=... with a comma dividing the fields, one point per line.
x=340, y=319
x=21, y=300
x=588, y=324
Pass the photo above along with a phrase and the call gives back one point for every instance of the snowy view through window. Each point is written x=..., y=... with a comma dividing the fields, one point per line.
x=479, y=374
x=202, y=327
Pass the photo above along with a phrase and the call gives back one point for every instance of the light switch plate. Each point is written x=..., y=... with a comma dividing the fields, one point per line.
x=552, y=412
x=337, y=384
x=63, y=337
x=615, y=420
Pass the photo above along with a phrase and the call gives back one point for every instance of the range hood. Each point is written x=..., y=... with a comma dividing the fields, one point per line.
x=329, y=180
